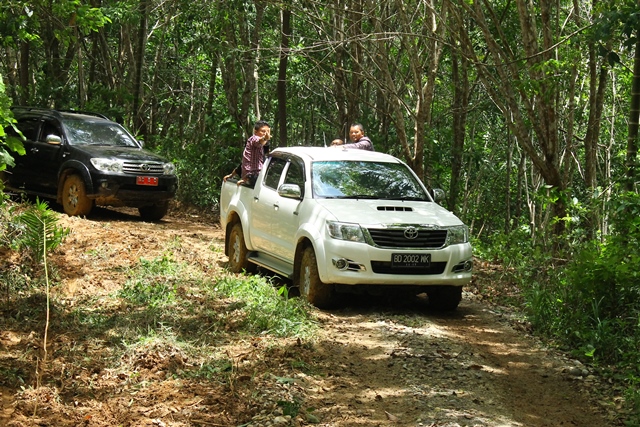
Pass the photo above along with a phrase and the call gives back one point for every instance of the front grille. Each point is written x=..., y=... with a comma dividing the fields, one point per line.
x=143, y=168
x=395, y=238
x=384, y=267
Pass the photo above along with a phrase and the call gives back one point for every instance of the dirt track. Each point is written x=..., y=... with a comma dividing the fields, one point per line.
x=375, y=363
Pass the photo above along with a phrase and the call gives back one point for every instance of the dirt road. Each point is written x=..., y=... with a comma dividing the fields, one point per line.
x=375, y=362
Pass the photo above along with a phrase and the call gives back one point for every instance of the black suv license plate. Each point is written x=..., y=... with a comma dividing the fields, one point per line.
x=410, y=260
x=147, y=180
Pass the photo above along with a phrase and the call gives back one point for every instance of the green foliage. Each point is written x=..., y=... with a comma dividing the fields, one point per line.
x=39, y=231
x=7, y=143
x=267, y=309
x=201, y=167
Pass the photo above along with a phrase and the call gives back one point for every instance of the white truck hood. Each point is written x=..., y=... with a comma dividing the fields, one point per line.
x=374, y=212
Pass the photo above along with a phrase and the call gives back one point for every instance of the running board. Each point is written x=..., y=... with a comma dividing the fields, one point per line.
x=271, y=263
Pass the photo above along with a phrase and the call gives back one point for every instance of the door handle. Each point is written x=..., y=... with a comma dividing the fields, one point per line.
x=34, y=150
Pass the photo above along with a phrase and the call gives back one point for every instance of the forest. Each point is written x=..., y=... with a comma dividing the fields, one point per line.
x=525, y=112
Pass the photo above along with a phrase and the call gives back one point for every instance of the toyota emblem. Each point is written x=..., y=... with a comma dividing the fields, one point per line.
x=411, y=233
x=144, y=167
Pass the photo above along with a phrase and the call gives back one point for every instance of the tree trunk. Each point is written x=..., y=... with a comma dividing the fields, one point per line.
x=138, y=87
x=282, y=76
x=634, y=113
x=460, y=77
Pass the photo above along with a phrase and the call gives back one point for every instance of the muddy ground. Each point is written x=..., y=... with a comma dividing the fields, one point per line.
x=374, y=362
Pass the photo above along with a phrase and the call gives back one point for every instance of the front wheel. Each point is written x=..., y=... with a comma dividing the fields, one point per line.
x=311, y=287
x=74, y=197
x=154, y=212
x=238, y=252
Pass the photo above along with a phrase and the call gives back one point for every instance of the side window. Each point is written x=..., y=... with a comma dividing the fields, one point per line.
x=295, y=175
x=49, y=128
x=274, y=171
x=30, y=128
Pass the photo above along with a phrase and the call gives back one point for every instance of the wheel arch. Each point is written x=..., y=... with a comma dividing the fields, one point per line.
x=303, y=243
x=71, y=168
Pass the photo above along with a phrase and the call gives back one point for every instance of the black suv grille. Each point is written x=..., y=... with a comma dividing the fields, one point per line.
x=148, y=168
x=395, y=238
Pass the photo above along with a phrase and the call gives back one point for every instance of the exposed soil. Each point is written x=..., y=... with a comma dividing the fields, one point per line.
x=374, y=362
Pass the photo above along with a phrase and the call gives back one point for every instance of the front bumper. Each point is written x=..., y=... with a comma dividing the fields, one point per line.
x=352, y=263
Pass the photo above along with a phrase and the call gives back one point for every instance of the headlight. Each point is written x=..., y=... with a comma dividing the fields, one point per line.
x=169, y=169
x=107, y=165
x=345, y=231
x=457, y=234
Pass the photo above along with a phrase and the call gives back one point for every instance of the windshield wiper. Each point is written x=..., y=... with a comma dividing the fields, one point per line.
x=407, y=198
x=360, y=196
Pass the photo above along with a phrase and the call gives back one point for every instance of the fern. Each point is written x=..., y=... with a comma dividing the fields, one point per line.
x=40, y=233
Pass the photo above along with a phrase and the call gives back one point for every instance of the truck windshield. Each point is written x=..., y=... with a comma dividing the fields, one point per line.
x=366, y=180
x=86, y=132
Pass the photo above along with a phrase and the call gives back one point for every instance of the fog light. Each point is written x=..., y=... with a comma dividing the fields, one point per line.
x=468, y=265
x=104, y=184
x=341, y=263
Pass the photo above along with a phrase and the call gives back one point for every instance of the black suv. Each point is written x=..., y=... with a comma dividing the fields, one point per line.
x=84, y=159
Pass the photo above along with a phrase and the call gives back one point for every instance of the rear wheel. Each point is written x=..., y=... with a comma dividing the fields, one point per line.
x=154, y=212
x=74, y=197
x=238, y=253
x=445, y=298
x=311, y=287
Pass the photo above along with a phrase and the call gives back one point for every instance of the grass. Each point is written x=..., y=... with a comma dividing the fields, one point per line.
x=167, y=314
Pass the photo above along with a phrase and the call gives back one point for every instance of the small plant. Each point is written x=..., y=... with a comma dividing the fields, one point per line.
x=39, y=232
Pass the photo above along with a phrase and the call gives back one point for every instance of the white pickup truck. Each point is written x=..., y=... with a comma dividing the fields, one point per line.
x=338, y=220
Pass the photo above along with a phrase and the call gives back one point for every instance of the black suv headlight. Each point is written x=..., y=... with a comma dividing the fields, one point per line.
x=107, y=165
x=169, y=169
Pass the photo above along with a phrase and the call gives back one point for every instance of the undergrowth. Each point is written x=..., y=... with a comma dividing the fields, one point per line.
x=588, y=301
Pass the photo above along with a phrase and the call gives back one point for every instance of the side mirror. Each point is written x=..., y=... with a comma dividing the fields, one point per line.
x=290, y=191
x=53, y=139
x=437, y=194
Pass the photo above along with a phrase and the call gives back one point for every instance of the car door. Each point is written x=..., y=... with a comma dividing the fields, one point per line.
x=264, y=218
x=23, y=173
x=46, y=156
x=286, y=212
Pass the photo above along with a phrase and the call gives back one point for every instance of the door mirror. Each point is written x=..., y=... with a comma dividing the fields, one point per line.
x=53, y=139
x=290, y=191
x=437, y=194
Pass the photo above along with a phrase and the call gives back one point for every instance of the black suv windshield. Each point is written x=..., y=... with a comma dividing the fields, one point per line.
x=94, y=132
x=365, y=180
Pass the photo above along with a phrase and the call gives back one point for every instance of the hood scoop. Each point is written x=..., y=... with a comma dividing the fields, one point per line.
x=396, y=208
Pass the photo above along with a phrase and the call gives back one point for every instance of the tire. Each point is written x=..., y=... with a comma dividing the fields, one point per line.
x=444, y=298
x=74, y=197
x=238, y=253
x=154, y=212
x=311, y=287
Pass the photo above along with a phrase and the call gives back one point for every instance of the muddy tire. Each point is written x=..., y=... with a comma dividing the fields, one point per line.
x=311, y=287
x=238, y=253
x=154, y=212
x=444, y=298
x=74, y=197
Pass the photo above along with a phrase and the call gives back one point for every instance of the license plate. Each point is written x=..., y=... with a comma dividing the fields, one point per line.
x=410, y=260
x=147, y=180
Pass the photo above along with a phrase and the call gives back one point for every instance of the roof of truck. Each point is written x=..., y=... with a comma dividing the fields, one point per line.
x=335, y=153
